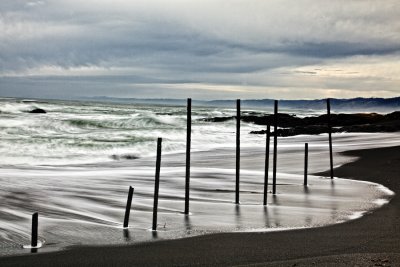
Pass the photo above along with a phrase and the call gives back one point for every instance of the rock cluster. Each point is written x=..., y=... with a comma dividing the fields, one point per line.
x=290, y=125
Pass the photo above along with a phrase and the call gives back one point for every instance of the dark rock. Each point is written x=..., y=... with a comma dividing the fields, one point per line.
x=391, y=126
x=310, y=130
x=392, y=116
x=366, y=123
x=284, y=120
x=218, y=119
x=388, y=127
x=38, y=110
x=291, y=125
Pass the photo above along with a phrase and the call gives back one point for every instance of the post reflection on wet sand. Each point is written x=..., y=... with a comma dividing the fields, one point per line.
x=126, y=235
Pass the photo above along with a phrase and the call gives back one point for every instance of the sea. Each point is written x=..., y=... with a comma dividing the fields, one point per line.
x=75, y=163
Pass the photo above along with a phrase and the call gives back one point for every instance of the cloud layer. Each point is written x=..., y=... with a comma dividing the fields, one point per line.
x=202, y=49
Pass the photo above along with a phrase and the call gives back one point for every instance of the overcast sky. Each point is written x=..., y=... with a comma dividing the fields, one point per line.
x=204, y=49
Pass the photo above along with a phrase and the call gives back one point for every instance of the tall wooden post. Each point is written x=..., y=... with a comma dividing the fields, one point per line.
x=237, y=150
x=157, y=184
x=34, y=237
x=305, y=163
x=328, y=103
x=266, y=164
x=275, y=146
x=128, y=207
x=188, y=143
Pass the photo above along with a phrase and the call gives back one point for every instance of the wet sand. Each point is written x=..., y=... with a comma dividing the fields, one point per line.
x=373, y=240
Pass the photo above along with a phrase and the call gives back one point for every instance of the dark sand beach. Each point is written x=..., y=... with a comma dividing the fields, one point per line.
x=373, y=240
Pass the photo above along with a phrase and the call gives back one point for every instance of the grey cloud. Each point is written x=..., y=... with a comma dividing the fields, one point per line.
x=216, y=42
x=342, y=49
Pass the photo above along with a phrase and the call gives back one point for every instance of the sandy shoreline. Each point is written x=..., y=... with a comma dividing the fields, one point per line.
x=373, y=239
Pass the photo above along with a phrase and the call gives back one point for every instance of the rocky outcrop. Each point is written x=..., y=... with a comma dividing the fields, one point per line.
x=292, y=125
x=38, y=110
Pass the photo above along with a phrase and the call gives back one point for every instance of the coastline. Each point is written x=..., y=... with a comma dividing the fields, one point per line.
x=374, y=238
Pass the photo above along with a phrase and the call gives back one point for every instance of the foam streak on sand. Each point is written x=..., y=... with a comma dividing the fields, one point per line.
x=85, y=204
x=373, y=239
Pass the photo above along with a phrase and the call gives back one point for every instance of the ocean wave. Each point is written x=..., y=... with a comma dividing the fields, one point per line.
x=138, y=121
x=74, y=132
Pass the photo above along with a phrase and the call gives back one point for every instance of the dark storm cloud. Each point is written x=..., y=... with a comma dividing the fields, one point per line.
x=212, y=42
x=342, y=49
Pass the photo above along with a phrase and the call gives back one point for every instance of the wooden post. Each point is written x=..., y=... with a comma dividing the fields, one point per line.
x=128, y=207
x=328, y=103
x=275, y=146
x=305, y=163
x=34, y=230
x=266, y=164
x=188, y=142
x=237, y=150
x=157, y=184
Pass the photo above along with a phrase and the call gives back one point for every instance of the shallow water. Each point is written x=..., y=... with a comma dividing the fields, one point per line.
x=80, y=190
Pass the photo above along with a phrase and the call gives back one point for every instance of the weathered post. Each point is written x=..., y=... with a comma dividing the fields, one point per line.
x=128, y=207
x=188, y=142
x=266, y=164
x=305, y=163
x=328, y=103
x=157, y=184
x=237, y=150
x=34, y=239
x=275, y=146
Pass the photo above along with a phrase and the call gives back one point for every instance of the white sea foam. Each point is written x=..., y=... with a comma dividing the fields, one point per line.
x=39, y=245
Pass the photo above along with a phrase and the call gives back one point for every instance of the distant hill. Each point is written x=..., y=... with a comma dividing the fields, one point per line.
x=353, y=104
